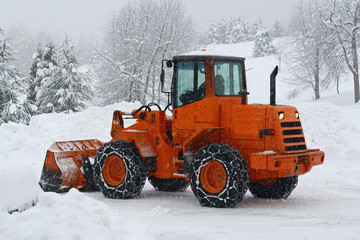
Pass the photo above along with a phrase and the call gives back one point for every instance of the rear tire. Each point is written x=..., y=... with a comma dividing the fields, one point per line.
x=119, y=172
x=280, y=188
x=219, y=176
x=169, y=185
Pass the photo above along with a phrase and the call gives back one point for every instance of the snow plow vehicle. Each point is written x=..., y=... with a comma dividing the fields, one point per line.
x=214, y=141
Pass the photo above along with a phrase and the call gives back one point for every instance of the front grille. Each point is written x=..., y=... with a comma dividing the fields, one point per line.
x=295, y=148
x=294, y=140
x=291, y=124
x=293, y=136
x=292, y=132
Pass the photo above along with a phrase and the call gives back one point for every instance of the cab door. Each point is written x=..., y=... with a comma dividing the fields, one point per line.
x=189, y=88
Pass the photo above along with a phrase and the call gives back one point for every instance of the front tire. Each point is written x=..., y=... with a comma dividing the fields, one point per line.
x=119, y=172
x=169, y=185
x=219, y=176
x=274, y=189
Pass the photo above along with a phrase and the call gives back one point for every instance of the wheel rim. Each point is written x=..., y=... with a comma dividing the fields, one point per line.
x=213, y=177
x=114, y=170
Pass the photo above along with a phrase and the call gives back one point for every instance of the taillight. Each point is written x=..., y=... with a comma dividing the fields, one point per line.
x=269, y=132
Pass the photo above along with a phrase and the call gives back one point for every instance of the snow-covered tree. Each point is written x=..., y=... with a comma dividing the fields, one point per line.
x=212, y=34
x=65, y=88
x=35, y=82
x=277, y=30
x=263, y=43
x=221, y=31
x=137, y=38
x=13, y=107
x=342, y=18
x=42, y=72
x=245, y=31
x=233, y=30
x=230, y=31
x=86, y=47
x=237, y=31
x=315, y=59
x=306, y=60
x=23, y=46
x=50, y=53
x=256, y=27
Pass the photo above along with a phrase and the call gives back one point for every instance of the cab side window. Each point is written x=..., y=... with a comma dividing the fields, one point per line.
x=229, y=79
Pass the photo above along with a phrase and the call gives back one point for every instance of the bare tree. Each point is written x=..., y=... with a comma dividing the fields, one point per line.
x=137, y=38
x=343, y=19
x=312, y=49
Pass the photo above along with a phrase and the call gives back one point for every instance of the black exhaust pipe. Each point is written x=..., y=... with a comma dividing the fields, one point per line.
x=273, y=86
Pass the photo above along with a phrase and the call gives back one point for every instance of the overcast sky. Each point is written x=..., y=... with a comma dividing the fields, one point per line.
x=77, y=17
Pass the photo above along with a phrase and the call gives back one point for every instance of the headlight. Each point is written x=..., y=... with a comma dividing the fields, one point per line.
x=281, y=115
x=297, y=115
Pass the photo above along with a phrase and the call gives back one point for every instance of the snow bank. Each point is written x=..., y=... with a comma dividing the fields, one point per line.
x=28, y=144
x=54, y=216
x=77, y=216
x=334, y=130
x=19, y=188
x=69, y=216
x=328, y=127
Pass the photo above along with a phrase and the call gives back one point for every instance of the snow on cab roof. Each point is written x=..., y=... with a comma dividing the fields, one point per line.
x=206, y=54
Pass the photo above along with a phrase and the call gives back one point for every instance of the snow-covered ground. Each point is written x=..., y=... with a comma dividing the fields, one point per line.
x=325, y=204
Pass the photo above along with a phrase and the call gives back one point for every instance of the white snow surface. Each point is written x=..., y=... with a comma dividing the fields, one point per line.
x=324, y=205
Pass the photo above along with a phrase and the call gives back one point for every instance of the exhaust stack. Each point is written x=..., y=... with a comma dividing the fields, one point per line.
x=273, y=86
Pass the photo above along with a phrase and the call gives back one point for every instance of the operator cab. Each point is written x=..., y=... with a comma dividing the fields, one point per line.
x=200, y=76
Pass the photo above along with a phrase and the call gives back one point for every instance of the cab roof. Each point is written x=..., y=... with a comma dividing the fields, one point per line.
x=206, y=54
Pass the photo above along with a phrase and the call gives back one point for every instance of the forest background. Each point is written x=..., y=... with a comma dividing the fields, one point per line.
x=42, y=74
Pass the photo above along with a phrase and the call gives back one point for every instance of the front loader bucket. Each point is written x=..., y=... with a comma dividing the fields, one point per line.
x=68, y=165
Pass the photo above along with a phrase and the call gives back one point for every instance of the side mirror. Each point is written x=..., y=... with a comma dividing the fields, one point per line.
x=169, y=64
x=162, y=78
x=243, y=95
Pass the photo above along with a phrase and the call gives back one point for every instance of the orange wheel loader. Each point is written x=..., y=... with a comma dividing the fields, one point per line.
x=214, y=141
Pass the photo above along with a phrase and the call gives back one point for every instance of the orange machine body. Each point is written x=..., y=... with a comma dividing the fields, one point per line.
x=272, y=147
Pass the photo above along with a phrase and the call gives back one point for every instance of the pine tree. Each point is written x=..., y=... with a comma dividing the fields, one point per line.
x=245, y=31
x=66, y=88
x=263, y=43
x=212, y=35
x=255, y=29
x=241, y=31
x=23, y=45
x=237, y=31
x=35, y=82
x=221, y=32
x=44, y=76
x=277, y=30
x=230, y=31
x=76, y=90
x=12, y=93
